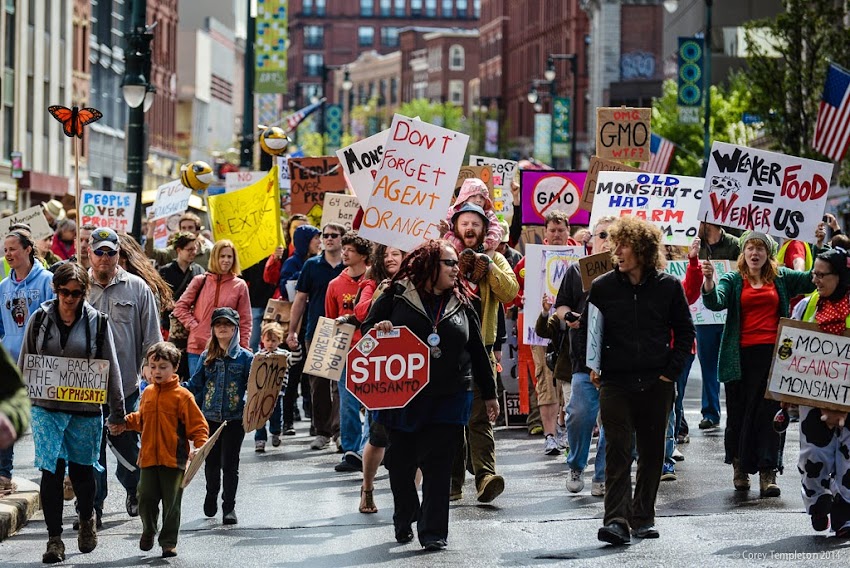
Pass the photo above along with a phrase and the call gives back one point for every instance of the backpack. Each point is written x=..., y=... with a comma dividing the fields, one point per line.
x=553, y=350
x=100, y=334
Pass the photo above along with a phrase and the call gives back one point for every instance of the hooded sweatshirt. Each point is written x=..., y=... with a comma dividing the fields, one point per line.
x=494, y=231
x=293, y=265
x=18, y=301
x=204, y=294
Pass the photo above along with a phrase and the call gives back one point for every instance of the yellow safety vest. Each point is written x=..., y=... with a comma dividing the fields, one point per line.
x=780, y=256
x=812, y=306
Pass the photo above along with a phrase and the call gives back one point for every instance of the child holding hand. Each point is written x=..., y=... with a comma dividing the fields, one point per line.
x=271, y=338
x=168, y=418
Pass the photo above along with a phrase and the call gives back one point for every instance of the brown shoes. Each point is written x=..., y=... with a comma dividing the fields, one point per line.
x=740, y=479
x=767, y=484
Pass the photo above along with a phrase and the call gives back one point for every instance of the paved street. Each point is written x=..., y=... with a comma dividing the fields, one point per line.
x=294, y=510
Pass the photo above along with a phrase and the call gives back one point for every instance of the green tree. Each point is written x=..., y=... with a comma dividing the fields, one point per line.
x=787, y=63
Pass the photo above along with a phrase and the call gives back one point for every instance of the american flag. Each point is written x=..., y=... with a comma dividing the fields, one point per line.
x=294, y=119
x=832, y=131
x=661, y=154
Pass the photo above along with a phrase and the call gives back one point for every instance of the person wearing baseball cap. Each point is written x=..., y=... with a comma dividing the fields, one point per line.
x=755, y=294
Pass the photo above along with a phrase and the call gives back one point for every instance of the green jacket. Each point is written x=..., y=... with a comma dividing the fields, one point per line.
x=726, y=248
x=727, y=295
x=14, y=401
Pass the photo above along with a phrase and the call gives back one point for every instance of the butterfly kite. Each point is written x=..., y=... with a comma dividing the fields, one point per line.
x=73, y=119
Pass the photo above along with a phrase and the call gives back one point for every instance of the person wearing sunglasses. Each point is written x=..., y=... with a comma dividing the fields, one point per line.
x=69, y=433
x=134, y=321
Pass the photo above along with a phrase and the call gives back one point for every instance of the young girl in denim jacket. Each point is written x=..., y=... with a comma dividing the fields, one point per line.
x=219, y=386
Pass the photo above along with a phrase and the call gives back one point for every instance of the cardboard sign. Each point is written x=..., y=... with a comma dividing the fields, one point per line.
x=593, y=266
x=386, y=370
x=66, y=379
x=113, y=209
x=545, y=267
x=194, y=466
x=339, y=209
x=277, y=310
x=311, y=179
x=414, y=185
x=172, y=198
x=481, y=172
x=623, y=133
x=595, y=328
x=328, y=349
x=34, y=217
x=239, y=180
x=700, y=314
x=810, y=366
x=551, y=190
x=360, y=163
x=671, y=203
x=598, y=165
x=503, y=173
x=265, y=382
x=773, y=193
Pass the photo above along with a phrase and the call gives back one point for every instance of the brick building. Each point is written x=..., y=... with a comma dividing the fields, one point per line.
x=437, y=64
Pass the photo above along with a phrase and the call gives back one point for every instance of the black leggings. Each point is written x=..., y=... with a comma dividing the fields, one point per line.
x=52, y=497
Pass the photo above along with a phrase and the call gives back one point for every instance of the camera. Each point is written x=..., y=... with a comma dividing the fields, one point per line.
x=571, y=317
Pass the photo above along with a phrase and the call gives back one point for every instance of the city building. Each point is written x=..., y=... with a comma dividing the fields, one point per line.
x=375, y=86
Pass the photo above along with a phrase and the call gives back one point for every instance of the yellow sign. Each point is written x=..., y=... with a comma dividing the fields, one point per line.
x=250, y=217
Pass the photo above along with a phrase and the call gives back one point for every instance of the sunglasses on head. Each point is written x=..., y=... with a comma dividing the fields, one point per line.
x=101, y=252
x=330, y=235
x=66, y=293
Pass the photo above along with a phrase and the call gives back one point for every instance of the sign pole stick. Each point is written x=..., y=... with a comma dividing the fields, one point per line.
x=77, y=194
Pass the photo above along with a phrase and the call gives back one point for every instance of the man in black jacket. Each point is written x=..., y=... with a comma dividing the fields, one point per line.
x=646, y=332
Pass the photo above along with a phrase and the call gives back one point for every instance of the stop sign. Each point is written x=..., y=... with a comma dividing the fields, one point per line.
x=386, y=370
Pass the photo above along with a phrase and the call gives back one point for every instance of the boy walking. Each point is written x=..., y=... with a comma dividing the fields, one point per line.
x=168, y=418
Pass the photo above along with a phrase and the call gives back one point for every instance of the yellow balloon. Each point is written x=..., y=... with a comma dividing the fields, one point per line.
x=274, y=141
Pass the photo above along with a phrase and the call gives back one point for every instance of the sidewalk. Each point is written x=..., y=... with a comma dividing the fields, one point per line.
x=16, y=509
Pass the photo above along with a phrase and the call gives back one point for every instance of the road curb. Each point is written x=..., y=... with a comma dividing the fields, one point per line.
x=16, y=509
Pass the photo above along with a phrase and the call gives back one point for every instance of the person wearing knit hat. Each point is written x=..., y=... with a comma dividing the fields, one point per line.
x=755, y=296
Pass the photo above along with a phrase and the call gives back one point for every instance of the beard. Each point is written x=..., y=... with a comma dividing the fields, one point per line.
x=471, y=238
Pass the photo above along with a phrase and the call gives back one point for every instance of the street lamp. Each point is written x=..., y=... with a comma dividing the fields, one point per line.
x=550, y=75
x=348, y=86
x=532, y=95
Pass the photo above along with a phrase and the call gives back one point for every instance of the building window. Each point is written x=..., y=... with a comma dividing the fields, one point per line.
x=456, y=58
x=314, y=36
x=430, y=8
x=435, y=58
x=393, y=90
x=462, y=8
x=416, y=8
x=389, y=36
x=456, y=92
x=448, y=5
x=365, y=36
x=476, y=7
x=386, y=8
x=399, y=8
x=313, y=63
x=319, y=9
x=367, y=8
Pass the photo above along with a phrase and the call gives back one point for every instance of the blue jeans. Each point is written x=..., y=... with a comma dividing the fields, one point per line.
x=681, y=426
x=708, y=349
x=6, y=458
x=353, y=435
x=127, y=444
x=274, y=422
x=194, y=363
x=582, y=411
x=670, y=439
x=256, y=326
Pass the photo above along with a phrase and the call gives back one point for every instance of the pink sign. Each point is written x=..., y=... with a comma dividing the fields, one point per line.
x=552, y=190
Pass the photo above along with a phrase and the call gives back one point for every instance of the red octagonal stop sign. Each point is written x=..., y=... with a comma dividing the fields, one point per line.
x=386, y=370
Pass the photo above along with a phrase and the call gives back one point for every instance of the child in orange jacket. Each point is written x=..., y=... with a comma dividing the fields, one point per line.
x=168, y=417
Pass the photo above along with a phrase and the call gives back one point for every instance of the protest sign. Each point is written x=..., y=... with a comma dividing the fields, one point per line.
x=593, y=266
x=670, y=203
x=414, y=185
x=773, y=193
x=277, y=310
x=480, y=172
x=551, y=190
x=239, y=180
x=598, y=165
x=250, y=217
x=545, y=266
x=310, y=180
x=34, y=217
x=360, y=163
x=810, y=367
x=113, y=209
x=283, y=172
x=623, y=133
x=66, y=379
x=340, y=209
x=265, y=381
x=503, y=173
x=595, y=327
x=329, y=348
x=700, y=314
x=171, y=198
x=194, y=466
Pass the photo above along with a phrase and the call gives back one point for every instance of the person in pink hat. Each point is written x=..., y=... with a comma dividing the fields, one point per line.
x=475, y=191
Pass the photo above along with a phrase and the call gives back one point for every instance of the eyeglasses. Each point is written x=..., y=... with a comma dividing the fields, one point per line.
x=602, y=235
x=66, y=293
x=450, y=262
x=330, y=235
x=101, y=252
x=820, y=275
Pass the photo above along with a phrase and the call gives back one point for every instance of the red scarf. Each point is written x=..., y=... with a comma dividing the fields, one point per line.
x=832, y=316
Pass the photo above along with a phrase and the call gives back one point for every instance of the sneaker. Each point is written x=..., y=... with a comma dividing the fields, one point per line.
x=550, y=446
x=68, y=489
x=456, y=496
x=491, y=487
x=260, y=446
x=146, y=542
x=677, y=455
x=55, y=550
x=132, y=504
x=683, y=439
x=707, y=424
x=597, y=489
x=561, y=437
x=230, y=518
x=344, y=467
x=288, y=430
x=535, y=430
x=575, y=483
x=353, y=459
x=87, y=537
x=614, y=533
x=275, y=440
x=320, y=442
x=435, y=545
x=668, y=472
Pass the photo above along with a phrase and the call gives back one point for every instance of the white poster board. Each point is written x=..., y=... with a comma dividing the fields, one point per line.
x=671, y=203
x=773, y=193
x=112, y=209
x=545, y=267
x=283, y=172
x=700, y=314
x=66, y=379
x=240, y=180
x=339, y=208
x=34, y=217
x=595, y=328
x=414, y=185
x=360, y=163
x=172, y=198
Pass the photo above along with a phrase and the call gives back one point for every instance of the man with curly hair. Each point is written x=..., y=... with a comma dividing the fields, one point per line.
x=647, y=332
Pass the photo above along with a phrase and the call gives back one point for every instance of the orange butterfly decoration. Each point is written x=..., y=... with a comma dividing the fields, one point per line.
x=73, y=119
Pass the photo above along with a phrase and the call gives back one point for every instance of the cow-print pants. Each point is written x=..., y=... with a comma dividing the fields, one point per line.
x=825, y=466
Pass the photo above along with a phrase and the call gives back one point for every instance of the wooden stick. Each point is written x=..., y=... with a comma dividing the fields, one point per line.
x=77, y=252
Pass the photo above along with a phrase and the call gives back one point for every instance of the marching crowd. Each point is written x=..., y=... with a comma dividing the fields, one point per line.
x=179, y=328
